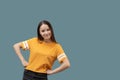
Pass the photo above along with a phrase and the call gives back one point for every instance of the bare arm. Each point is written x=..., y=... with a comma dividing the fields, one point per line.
x=63, y=66
x=19, y=54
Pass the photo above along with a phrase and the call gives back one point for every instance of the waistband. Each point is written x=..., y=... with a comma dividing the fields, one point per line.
x=36, y=74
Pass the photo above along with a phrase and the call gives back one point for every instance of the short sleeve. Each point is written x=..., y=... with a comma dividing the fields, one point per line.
x=25, y=45
x=60, y=53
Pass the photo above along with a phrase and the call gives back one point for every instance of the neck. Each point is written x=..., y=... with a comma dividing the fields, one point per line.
x=47, y=41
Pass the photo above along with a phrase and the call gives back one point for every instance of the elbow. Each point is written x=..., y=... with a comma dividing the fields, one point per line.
x=68, y=65
x=14, y=46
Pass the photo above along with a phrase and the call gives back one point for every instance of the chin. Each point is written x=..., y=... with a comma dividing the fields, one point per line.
x=47, y=39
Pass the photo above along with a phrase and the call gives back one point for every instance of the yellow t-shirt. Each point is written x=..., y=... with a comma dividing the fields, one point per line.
x=42, y=55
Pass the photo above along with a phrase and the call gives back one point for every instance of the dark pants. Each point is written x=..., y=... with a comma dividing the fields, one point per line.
x=30, y=75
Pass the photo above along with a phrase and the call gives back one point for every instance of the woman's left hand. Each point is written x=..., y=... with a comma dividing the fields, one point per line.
x=49, y=72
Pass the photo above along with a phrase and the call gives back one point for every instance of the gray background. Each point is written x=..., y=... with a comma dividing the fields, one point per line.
x=87, y=29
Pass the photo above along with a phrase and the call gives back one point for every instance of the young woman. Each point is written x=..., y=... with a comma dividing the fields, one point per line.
x=44, y=50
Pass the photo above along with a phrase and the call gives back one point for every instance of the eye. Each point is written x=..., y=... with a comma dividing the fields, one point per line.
x=48, y=29
x=42, y=30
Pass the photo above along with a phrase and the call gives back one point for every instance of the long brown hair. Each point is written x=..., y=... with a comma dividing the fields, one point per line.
x=50, y=26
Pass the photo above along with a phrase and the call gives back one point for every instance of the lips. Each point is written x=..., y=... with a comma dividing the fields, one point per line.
x=47, y=35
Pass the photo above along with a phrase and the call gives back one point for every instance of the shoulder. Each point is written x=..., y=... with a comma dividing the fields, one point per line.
x=58, y=45
x=33, y=39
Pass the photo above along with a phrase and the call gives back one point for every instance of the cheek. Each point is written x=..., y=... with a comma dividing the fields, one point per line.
x=50, y=33
x=41, y=33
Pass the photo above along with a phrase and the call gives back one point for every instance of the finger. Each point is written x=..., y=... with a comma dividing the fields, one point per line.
x=24, y=66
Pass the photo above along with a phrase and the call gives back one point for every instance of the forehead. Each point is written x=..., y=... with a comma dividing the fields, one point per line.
x=44, y=26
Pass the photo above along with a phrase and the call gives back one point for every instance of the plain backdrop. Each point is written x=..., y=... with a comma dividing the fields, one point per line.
x=88, y=30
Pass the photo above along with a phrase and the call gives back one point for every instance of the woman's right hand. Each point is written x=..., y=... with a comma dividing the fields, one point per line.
x=24, y=63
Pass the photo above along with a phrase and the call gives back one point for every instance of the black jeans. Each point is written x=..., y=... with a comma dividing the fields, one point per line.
x=30, y=75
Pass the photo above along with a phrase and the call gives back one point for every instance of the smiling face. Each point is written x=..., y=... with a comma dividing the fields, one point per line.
x=45, y=32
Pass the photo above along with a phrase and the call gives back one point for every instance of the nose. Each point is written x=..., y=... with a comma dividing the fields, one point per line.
x=46, y=32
